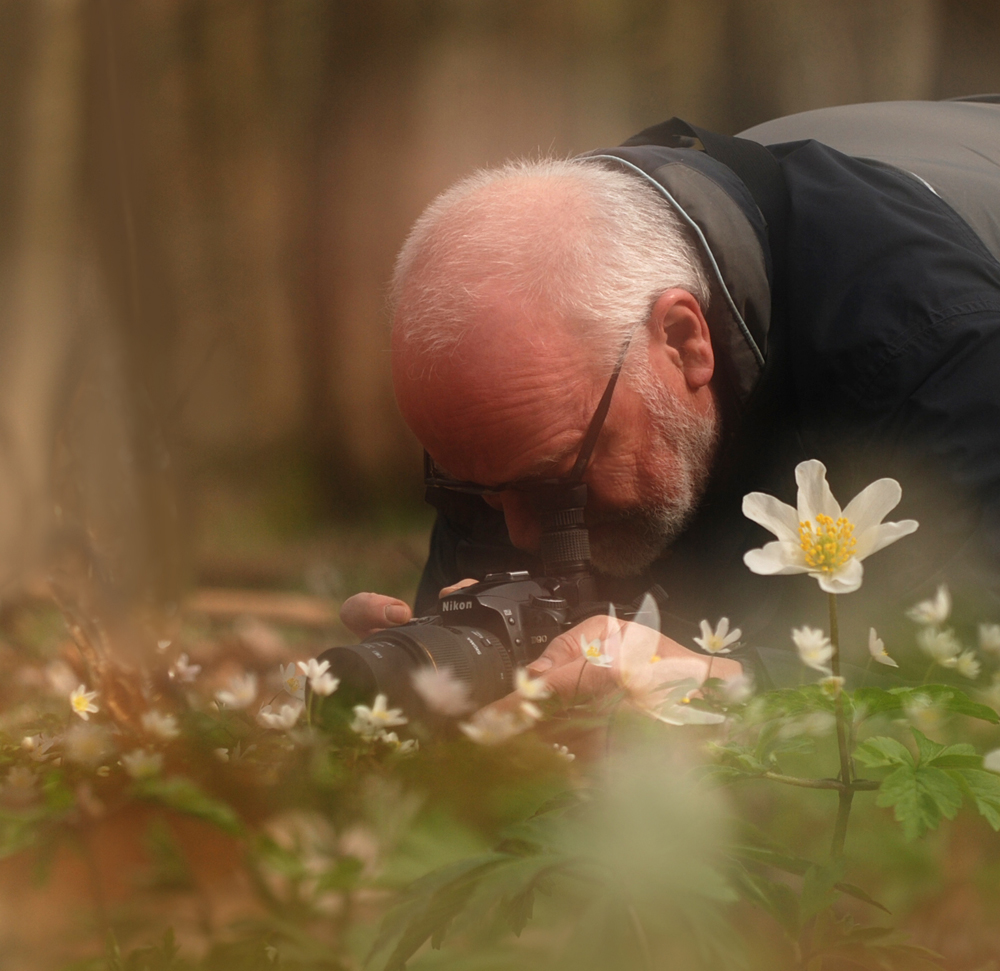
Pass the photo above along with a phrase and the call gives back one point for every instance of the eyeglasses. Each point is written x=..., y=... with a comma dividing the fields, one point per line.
x=435, y=476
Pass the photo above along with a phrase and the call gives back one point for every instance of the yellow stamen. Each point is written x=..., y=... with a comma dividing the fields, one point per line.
x=828, y=545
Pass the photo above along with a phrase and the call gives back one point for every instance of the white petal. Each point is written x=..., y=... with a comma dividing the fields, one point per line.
x=722, y=629
x=687, y=715
x=878, y=537
x=885, y=659
x=872, y=504
x=815, y=496
x=776, y=558
x=846, y=580
x=773, y=514
x=648, y=613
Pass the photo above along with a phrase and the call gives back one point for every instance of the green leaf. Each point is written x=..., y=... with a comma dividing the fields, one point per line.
x=920, y=797
x=947, y=697
x=184, y=796
x=817, y=891
x=882, y=752
x=925, y=747
x=776, y=899
x=984, y=788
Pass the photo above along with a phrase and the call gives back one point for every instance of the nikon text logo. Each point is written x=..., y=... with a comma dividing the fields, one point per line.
x=456, y=605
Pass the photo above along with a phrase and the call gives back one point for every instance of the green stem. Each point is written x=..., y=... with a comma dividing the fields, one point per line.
x=856, y=785
x=846, y=794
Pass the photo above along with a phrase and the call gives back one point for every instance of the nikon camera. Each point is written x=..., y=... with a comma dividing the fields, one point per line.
x=483, y=633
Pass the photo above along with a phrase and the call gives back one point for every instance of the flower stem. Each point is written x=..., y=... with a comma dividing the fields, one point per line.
x=846, y=794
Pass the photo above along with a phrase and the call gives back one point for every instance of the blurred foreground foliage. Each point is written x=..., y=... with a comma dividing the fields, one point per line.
x=169, y=831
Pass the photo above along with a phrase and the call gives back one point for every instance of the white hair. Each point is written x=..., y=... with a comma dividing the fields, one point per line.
x=592, y=245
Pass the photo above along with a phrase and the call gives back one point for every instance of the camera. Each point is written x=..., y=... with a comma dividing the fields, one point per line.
x=484, y=632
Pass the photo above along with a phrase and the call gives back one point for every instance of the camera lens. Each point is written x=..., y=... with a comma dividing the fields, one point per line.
x=384, y=663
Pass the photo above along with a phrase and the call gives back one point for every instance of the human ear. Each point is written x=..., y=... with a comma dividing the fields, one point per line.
x=680, y=333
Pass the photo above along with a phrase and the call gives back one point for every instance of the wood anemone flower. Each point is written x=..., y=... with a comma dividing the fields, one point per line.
x=818, y=537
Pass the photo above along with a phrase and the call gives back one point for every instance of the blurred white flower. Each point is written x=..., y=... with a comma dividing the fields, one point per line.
x=649, y=679
x=283, y=719
x=241, y=693
x=491, y=727
x=924, y=714
x=717, y=641
x=967, y=665
x=370, y=721
x=324, y=685
x=61, y=677
x=81, y=701
x=531, y=689
x=676, y=707
x=932, y=612
x=141, y=764
x=563, y=752
x=222, y=754
x=815, y=724
x=87, y=744
x=738, y=689
x=940, y=645
x=291, y=680
x=392, y=740
x=991, y=760
x=162, y=726
x=591, y=651
x=876, y=648
x=442, y=692
x=37, y=746
x=183, y=671
x=831, y=686
x=989, y=638
x=814, y=647
x=818, y=537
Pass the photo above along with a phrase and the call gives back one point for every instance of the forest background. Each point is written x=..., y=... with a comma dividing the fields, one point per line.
x=200, y=203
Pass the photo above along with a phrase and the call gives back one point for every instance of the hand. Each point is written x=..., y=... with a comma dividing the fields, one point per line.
x=368, y=613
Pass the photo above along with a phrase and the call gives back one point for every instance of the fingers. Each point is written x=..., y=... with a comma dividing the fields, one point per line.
x=444, y=591
x=568, y=647
x=366, y=613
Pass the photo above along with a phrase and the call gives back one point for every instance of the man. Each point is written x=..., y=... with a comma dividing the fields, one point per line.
x=768, y=306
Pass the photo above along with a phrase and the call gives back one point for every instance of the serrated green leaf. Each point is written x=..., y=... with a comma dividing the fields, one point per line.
x=984, y=788
x=876, y=701
x=186, y=797
x=920, y=797
x=926, y=749
x=881, y=752
x=947, y=697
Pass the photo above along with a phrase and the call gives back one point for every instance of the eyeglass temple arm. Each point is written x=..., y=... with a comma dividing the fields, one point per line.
x=597, y=422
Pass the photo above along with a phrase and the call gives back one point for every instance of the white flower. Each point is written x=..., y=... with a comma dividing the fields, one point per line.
x=923, y=713
x=370, y=721
x=831, y=686
x=324, y=685
x=162, y=726
x=283, y=719
x=222, y=754
x=81, y=701
x=818, y=537
x=991, y=760
x=941, y=645
x=241, y=692
x=989, y=638
x=37, y=746
x=932, y=612
x=531, y=689
x=967, y=665
x=876, y=648
x=814, y=647
x=291, y=681
x=648, y=678
x=60, y=677
x=591, y=651
x=442, y=692
x=491, y=727
x=87, y=744
x=141, y=764
x=737, y=690
x=717, y=641
x=563, y=752
x=392, y=740
x=183, y=671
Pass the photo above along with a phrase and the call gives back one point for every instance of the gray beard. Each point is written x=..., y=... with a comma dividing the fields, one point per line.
x=626, y=543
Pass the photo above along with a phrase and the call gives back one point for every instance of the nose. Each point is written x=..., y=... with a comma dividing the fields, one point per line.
x=522, y=521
